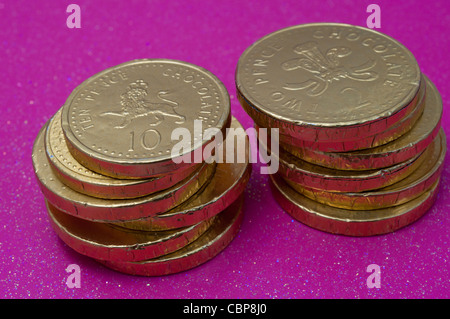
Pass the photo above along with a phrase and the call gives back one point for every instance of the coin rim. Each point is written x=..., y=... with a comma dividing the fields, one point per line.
x=402, y=126
x=103, y=186
x=120, y=209
x=124, y=252
x=352, y=227
x=345, y=160
x=197, y=257
x=429, y=178
x=175, y=218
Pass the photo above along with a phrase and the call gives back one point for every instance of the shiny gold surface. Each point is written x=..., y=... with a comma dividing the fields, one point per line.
x=404, y=125
x=418, y=182
x=225, y=186
x=83, y=180
x=331, y=180
x=101, y=241
x=107, y=210
x=210, y=244
x=120, y=121
x=399, y=150
x=350, y=222
x=327, y=82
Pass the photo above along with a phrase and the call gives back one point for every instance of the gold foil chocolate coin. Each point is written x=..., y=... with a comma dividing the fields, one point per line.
x=350, y=222
x=218, y=236
x=121, y=121
x=401, y=192
x=404, y=125
x=83, y=180
x=399, y=150
x=101, y=241
x=322, y=178
x=109, y=210
x=226, y=185
x=328, y=82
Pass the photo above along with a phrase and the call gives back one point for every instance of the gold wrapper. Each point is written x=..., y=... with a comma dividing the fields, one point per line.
x=83, y=180
x=126, y=174
x=322, y=178
x=295, y=146
x=403, y=148
x=226, y=184
x=120, y=121
x=414, y=185
x=108, y=210
x=104, y=242
x=218, y=236
x=351, y=222
x=328, y=82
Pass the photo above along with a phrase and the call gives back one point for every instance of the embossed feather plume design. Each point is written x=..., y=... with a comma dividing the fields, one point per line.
x=325, y=68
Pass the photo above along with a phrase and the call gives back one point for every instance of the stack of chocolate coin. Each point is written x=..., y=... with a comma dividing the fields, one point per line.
x=129, y=167
x=360, y=144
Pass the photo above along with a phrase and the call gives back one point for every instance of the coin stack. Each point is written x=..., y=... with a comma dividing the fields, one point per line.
x=124, y=170
x=360, y=144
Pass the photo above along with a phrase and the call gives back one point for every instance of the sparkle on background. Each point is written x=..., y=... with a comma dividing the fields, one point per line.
x=273, y=256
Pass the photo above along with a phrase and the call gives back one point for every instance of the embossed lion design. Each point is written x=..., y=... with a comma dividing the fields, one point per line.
x=325, y=68
x=135, y=104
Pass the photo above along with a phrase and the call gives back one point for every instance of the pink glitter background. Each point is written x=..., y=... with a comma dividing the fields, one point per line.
x=273, y=256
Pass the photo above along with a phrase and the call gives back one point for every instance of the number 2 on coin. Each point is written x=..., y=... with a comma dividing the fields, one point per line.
x=355, y=98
